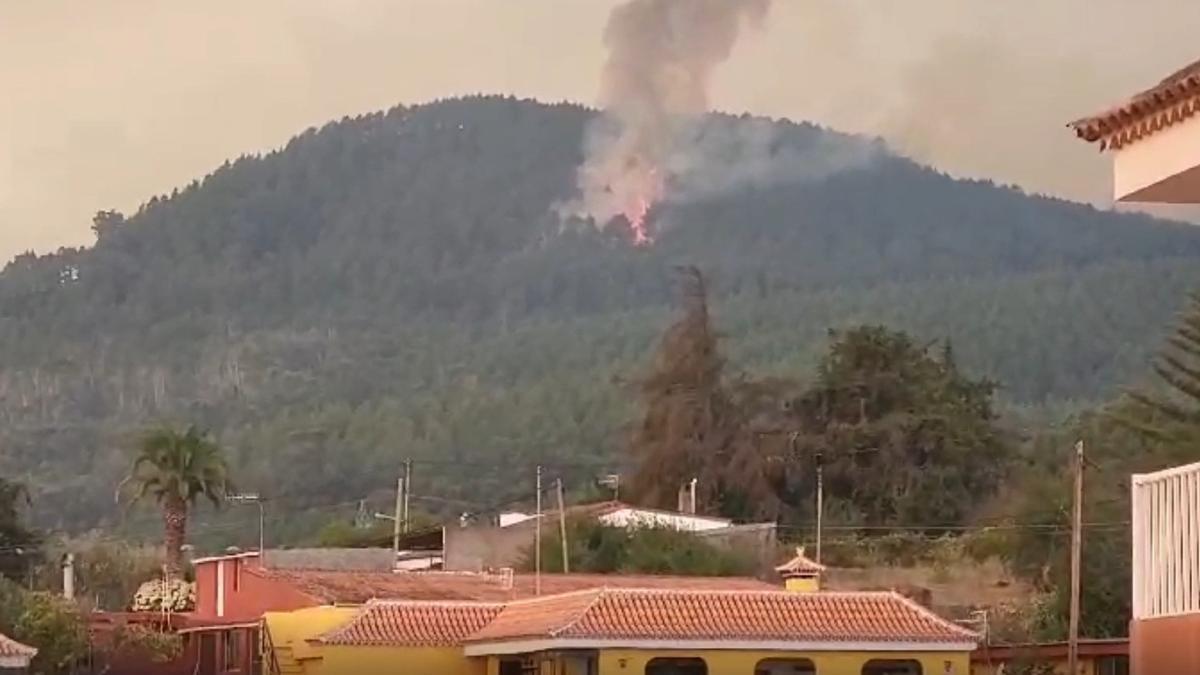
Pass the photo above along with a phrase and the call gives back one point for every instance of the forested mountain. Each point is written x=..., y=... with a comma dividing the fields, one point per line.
x=397, y=285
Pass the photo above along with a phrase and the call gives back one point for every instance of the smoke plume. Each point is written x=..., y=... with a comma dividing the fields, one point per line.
x=661, y=57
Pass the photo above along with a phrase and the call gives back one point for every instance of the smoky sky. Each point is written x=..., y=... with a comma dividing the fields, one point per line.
x=106, y=103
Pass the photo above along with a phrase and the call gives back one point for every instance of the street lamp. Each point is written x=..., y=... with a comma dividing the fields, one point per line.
x=254, y=498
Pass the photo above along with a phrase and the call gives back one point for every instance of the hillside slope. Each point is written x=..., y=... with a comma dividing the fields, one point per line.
x=395, y=285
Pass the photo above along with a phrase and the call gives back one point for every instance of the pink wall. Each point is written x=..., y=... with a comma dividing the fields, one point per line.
x=247, y=594
x=1165, y=645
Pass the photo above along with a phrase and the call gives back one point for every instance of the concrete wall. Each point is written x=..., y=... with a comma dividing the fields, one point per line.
x=477, y=548
x=757, y=540
x=474, y=549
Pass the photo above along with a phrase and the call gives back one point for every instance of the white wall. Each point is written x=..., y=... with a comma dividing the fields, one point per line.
x=1166, y=542
x=630, y=517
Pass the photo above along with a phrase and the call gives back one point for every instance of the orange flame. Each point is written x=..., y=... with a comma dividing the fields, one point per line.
x=639, y=208
x=637, y=222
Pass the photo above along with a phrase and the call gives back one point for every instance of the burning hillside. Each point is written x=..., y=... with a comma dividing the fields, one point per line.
x=661, y=57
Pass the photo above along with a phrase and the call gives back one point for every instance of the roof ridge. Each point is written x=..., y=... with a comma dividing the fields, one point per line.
x=739, y=591
x=550, y=596
x=599, y=594
x=403, y=602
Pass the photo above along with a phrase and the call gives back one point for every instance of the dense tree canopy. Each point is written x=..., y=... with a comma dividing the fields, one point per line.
x=397, y=285
x=18, y=544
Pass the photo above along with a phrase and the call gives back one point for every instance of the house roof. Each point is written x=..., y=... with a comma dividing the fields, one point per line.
x=403, y=623
x=726, y=616
x=11, y=649
x=1171, y=101
x=801, y=564
x=358, y=587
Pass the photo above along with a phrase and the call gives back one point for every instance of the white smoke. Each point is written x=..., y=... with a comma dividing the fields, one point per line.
x=661, y=57
x=654, y=143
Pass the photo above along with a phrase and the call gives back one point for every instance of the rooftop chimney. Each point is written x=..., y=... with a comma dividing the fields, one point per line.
x=801, y=575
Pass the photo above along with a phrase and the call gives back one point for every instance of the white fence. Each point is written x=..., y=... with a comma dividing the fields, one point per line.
x=1166, y=542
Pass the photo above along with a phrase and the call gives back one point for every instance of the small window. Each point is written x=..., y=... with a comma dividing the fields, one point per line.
x=785, y=667
x=1112, y=665
x=233, y=650
x=880, y=667
x=677, y=667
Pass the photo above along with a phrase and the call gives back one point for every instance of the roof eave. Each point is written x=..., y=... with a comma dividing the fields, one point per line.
x=535, y=644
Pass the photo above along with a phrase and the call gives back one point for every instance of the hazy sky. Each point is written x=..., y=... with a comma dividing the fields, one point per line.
x=106, y=102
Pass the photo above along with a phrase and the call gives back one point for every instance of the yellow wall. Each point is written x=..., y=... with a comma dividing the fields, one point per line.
x=1086, y=667
x=802, y=584
x=733, y=662
x=392, y=660
x=743, y=662
x=292, y=630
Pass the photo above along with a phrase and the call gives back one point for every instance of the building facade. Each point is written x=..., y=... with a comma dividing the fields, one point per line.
x=1165, y=631
x=1154, y=139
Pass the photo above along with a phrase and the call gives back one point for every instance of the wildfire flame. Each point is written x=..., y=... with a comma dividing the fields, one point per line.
x=649, y=191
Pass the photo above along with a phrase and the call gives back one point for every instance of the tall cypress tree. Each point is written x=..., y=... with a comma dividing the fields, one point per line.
x=689, y=419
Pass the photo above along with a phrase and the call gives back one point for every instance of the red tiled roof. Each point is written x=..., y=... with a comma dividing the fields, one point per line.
x=1169, y=102
x=359, y=587
x=10, y=648
x=391, y=623
x=673, y=615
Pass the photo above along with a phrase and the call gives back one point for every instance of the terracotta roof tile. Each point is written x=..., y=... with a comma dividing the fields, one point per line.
x=391, y=623
x=673, y=615
x=359, y=587
x=1169, y=102
x=10, y=648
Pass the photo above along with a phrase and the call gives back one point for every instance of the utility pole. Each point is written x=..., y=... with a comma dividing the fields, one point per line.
x=399, y=516
x=1076, y=555
x=537, y=539
x=820, y=500
x=407, y=490
x=562, y=529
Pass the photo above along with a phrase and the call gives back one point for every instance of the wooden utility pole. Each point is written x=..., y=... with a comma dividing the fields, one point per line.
x=820, y=500
x=562, y=529
x=396, y=518
x=407, y=491
x=1076, y=556
x=537, y=539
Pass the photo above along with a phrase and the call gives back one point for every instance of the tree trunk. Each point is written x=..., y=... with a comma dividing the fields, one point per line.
x=175, y=524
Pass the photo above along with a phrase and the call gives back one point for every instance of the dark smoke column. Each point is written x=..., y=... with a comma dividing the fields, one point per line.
x=661, y=56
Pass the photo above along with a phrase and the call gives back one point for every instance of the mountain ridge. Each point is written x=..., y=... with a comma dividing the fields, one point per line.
x=399, y=282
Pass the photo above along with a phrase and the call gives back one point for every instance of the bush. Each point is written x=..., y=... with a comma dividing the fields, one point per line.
x=175, y=595
x=141, y=642
x=595, y=547
x=58, y=630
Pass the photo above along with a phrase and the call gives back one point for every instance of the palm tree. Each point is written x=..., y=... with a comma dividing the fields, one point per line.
x=175, y=469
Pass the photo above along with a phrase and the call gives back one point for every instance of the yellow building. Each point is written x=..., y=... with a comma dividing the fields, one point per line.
x=671, y=632
x=617, y=631
x=287, y=637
